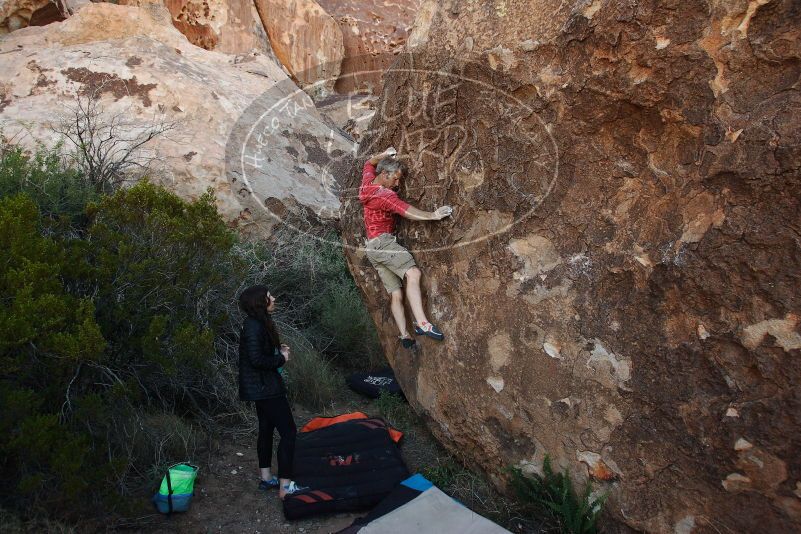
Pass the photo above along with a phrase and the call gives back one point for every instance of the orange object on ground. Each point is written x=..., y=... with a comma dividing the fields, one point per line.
x=322, y=422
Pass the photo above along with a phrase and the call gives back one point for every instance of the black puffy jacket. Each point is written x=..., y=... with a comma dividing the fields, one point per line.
x=258, y=363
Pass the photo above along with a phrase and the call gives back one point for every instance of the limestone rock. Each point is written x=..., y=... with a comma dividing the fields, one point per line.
x=305, y=39
x=373, y=33
x=147, y=71
x=230, y=26
x=629, y=176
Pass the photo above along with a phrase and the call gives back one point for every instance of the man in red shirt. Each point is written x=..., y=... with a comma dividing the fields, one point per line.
x=392, y=261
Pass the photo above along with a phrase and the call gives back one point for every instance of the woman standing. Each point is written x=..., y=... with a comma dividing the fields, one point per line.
x=261, y=354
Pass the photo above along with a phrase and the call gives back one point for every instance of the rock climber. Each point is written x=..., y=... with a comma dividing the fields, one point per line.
x=380, y=180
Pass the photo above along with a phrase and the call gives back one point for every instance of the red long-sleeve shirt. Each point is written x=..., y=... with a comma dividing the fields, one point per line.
x=381, y=205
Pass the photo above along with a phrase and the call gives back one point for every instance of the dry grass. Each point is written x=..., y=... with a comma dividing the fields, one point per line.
x=396, y=411
x=311, y=379
x=10, y=523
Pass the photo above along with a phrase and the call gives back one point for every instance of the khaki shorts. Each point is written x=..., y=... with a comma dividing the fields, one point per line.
x=390, y=259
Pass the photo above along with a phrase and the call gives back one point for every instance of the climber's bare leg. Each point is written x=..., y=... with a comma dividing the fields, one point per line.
x=413, y=295
x=398, y=312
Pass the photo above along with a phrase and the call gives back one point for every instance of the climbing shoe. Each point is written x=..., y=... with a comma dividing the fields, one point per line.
x=407, y=342
x=269, y=484
x=428, y=329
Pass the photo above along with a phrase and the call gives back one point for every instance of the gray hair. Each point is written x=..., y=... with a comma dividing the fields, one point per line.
x=390, y=165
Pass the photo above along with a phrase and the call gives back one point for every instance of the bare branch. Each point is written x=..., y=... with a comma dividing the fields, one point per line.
x=107, y=148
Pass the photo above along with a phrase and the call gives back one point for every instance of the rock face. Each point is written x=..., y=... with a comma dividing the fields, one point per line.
x=306, y=40
x=618, y=285
x=146, y=71
x=343, y=44
x=350, y=113
x=230, y=26
x=373, y=33
x=16, y=14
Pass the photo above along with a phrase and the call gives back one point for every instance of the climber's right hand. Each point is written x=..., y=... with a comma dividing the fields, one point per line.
x=442, y=212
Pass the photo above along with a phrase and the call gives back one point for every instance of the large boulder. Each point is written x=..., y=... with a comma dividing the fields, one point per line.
x=146, y=73
x=306, y=40
x=618, y=286
x=373, y=34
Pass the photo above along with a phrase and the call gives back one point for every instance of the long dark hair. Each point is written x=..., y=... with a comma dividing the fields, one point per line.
x=253, y=301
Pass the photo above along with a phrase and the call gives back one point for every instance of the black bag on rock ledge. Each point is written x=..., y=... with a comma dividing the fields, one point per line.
x=372, y=383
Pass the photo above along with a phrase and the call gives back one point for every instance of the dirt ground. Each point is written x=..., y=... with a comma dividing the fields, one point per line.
x=227, y=498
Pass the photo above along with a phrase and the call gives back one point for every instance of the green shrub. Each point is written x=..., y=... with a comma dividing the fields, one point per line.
x=311, y=380
x=343, y=319
x=161, y=269
x=60, y=193
x=46, y=337
x=158, y=270
x=552, y=493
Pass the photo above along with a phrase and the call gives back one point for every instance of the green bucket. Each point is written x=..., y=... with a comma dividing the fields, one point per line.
x=177, y=488
x=181, y=480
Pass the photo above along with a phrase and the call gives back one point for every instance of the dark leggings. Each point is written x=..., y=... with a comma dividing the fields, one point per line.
x=276, y=413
